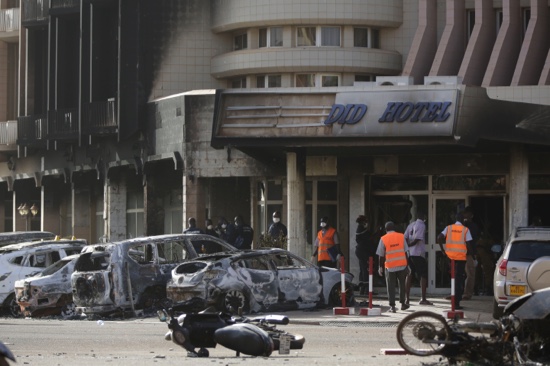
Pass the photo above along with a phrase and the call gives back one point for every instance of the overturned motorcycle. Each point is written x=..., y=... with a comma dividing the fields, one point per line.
x=256, y=336
x=520, y=337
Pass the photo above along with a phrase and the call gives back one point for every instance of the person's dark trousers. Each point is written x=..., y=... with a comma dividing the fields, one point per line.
x=460, y=280
x=330, y=264
x=392, y=279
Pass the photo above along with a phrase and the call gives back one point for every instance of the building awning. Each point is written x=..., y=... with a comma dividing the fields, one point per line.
x=374, y=116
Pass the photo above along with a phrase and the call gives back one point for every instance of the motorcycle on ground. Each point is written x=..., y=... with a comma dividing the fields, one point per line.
x=257, y=336
x=520, y=337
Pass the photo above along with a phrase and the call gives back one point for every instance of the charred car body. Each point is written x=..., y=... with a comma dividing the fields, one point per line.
x=16, y=237
x=18, y=261
x=49, y=292
x=132, y=274
x=257, y=280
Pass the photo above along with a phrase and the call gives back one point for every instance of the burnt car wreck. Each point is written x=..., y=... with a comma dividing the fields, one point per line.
x=257, y=280
x=131, y=275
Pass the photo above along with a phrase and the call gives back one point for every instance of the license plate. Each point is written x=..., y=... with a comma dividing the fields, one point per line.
x=517, y=290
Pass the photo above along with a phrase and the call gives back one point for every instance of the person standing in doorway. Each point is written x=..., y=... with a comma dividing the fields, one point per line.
x=227, y=231
x=192, y=227
x=277, y=230
x=457, y=240
x=365, y=249
x=392, y=251
x=327, y=245
x=471, y=258
x=415, y=236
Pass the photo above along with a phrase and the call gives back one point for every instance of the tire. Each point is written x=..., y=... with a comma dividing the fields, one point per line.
x=68, y=311
x=13, y=307
x=335, y=295
x=497, y=310
x=423, y=333
x=233, y=300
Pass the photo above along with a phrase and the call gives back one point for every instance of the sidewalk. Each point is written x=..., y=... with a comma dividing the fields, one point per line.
x=479, y=308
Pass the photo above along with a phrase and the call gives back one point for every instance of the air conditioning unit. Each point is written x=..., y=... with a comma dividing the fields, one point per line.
x=394, y=80
x=442, y=80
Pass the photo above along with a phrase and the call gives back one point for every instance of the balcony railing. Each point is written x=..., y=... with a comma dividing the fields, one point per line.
x=8, y=133
x=63, y=124
x=9, y=20
x=100, y=118
x=35, y=10
x=31, y=129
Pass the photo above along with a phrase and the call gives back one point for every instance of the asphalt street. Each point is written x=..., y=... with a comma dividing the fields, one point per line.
x=330, y=339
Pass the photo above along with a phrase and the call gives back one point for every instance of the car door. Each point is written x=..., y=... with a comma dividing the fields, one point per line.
x=298, y=280
x=260, y=279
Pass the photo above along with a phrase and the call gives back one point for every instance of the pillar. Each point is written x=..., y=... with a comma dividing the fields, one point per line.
x=193, y=200
x=296, y=204
x=519, y=187
x=356, y=208
x=116, y=205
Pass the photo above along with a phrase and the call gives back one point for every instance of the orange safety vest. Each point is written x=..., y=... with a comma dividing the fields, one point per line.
x=325, y=242
x=394, y=243
x=455, y=242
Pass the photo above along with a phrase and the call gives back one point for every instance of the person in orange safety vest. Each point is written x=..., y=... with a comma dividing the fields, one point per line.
x=458, y=243
x=327, y=245
x=393, y=252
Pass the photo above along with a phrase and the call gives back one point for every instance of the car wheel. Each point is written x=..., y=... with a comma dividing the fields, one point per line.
x=233, y=300
x=497, y=310
x=68, y=310
x=335, y=296
x=13, y=307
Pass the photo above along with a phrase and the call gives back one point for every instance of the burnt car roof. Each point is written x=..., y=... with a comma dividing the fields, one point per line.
x=35, y=244
x=239, y=254
x=24, y=236
x=158, y=237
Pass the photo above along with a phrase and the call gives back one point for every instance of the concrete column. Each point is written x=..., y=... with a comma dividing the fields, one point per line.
x=81, y=214
x=116, y=206
x=296, y=199
x=519, y=187
x=193, y=200
x=356, y=208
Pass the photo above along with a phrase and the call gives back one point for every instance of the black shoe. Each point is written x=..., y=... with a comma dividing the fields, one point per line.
x=393, y=309
x=405, y=306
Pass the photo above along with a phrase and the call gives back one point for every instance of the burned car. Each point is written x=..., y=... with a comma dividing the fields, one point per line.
x=49, y=292
x=18, y=261
x=258, y=280
x=131, y=275
x=16, y=237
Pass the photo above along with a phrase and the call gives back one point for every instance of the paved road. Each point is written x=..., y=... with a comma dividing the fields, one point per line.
x=330, y=340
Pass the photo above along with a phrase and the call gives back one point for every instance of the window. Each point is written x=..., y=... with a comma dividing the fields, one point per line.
x=238, y=83
x=271, y=37
x=172, y=252
x=364, y=78
x=330, y=36
x=305, y=36
x=317, y=36
x=366, y=37
x=329, y=80
x=142, y=253
x=305, y=80
x=134, y=214
x=268, y=81
x=240, y=42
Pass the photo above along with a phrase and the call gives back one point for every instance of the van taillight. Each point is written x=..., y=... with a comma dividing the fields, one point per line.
x=502, y=267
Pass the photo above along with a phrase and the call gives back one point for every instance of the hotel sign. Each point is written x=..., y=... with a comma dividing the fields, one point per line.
x=394, y=113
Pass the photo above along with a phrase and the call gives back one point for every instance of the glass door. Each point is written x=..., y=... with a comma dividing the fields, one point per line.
x=444, y=209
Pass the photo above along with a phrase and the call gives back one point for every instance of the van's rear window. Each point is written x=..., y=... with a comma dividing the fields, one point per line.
x=528, y=251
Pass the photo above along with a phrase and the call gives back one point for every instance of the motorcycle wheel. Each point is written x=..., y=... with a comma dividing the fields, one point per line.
x=423, y=333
